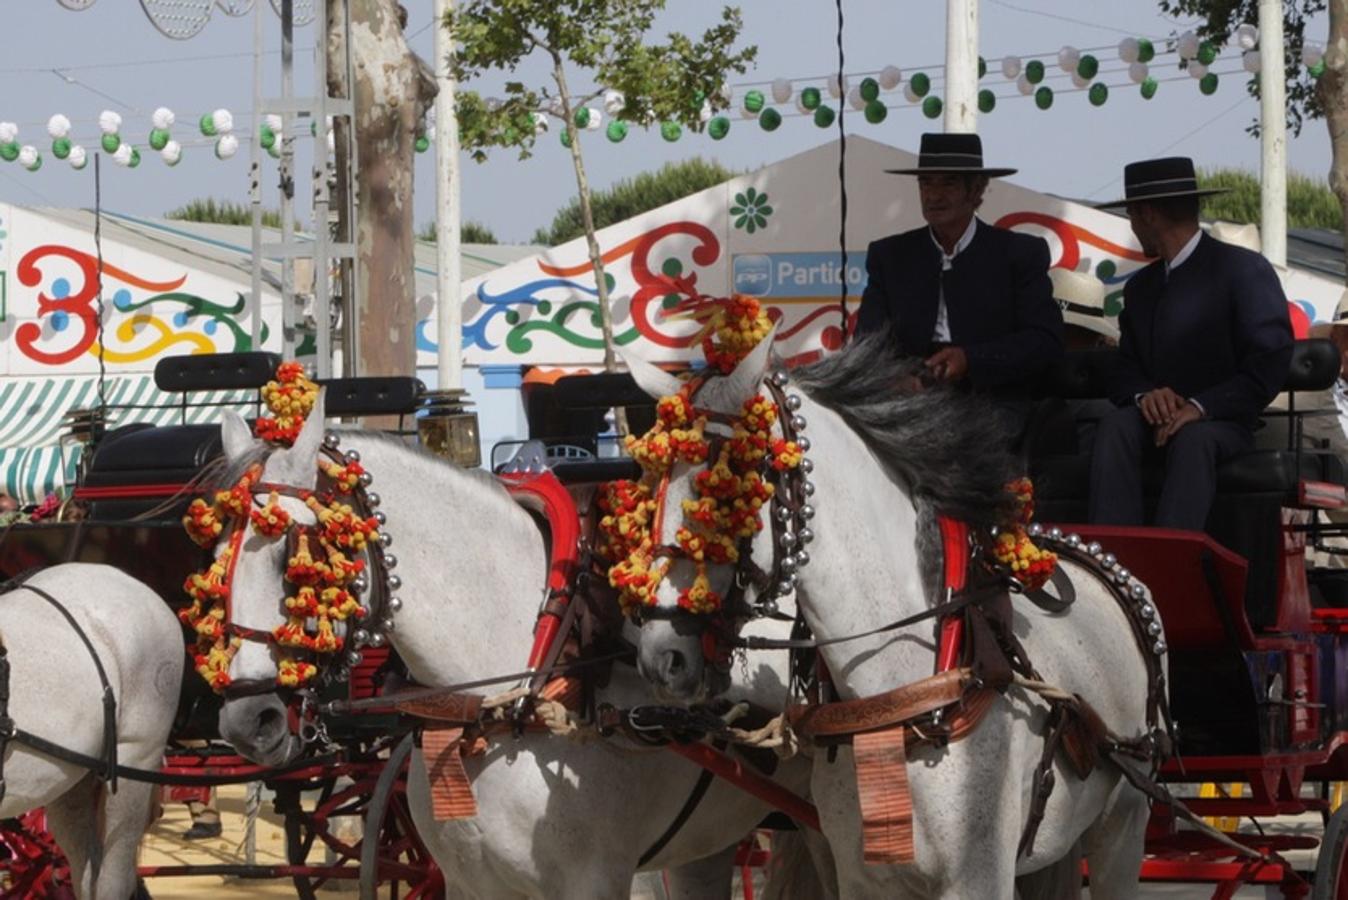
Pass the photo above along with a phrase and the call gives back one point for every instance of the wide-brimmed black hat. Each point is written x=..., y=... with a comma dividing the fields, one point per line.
x=1157, y=179
x=951, y=154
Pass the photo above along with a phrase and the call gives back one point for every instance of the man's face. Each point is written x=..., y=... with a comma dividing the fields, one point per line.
x=1143, y=220
x=949, y=201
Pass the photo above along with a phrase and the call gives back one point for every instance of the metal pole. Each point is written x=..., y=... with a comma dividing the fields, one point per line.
x=1272, y=134
x=449, y=268
x=961, y=65
x=286, y=177
x=323, y=339
x=255, y=184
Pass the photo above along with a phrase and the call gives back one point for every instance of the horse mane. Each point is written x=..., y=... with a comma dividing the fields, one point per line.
x=951, y=447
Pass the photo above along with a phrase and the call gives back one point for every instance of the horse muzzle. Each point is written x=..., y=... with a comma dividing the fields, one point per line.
x=258, y=726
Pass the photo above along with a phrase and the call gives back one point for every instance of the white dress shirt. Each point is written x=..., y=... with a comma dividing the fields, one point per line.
x=941, y=333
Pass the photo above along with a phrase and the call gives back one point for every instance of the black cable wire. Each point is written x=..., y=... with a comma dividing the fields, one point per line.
x=842, y=178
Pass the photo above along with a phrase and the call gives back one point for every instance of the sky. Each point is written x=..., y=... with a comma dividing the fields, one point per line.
x=110, y=56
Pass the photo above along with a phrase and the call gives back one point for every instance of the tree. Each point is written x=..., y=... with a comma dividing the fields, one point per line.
x=677, y=83
x=469, y=233
x=1310, y=202
x=393, y=89
x=1308, y=96
x=222, y=212
x=634, y=196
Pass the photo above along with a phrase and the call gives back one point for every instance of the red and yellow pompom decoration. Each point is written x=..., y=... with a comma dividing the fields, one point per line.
x=213, y=649
x=730, y=493
x=1029, y=564
x=290, y=398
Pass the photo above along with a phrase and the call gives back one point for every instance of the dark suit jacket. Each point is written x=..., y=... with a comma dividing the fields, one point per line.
x=1216, y=331
x=999, y=302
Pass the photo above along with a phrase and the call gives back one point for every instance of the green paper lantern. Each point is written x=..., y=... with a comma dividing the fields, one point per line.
x=1043, y=98
x=1148, y=88
x=1206, y=53
x=267, y=138
x=159, y=137
x=810, y=98
x=671, y=131
x=823, y=117
x=1146, y=51
x=1318, y=69
x=207, y=124
x=1034, y=71
x=920, y=84
x=60, y=147
x=9, y=152
x=982, y=67
x=582, y=117
x=753, y=101
x=1098, y=94
x=987, y=101
x=769, y=119
x=134, y=160
x=1088, y=66
x=616, y=131
x=111, y=142
x=37, y=164
x=565, y=136
x=931, y=107
x=718, y=127
x=313, y=128
x=876, y=111
x=1208, y=84
x=423, y=143
x=870, y=89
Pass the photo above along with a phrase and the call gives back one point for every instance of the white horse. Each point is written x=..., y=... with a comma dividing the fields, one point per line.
x=556, y=818
x=881, y=464
x=56, y=694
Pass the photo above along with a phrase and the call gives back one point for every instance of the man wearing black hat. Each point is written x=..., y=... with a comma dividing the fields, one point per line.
x=974, y=301
x=1205, y=344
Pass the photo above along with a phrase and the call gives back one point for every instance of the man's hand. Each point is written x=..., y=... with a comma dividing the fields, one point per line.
x=1161, y=405
x=1189, y=413
x=949, y=364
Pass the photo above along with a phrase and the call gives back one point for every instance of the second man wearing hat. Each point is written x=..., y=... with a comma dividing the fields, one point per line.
x=974, y=301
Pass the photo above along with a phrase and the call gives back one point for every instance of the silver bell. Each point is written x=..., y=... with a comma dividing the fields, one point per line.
x=376, y=640
x=807, y=488
x=798, y=423
x=395, y=604
x=1153, y=628
x=385, y=539
x=373, y=499
x=1158, y=648
x=787, y=540
x=1138, y=589
x=1094, y=548
x=793, y=402
x=360, y=583
x=388, y=624
x=341, y=674
x=352, y=456
x=784, y=589
x=806, y=535
x=768, y=607
x=788, y=564
x=353, y=658
x=390, y=561
x=779, y=378
x=783, y=514
x=806, y=512
x=806, y=465
x=381, y=518
x=802, y=559
x=394, y=582
x=366, y=479
x=332, y=440
x=792, y=578
x=1055, y=533
x=803, y=443
x=360, y=637
x=1034, y=530
x=1146, y=610
x=1109, y=560
x=1123, y=575
x=1074, y=541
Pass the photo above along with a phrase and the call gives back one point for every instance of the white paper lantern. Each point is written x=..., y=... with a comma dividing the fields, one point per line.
x=836, y=88
x=123, y=155
x=8, y=132
x=163, y=118
x=1079, y=82
x=77, y=157
x=1187, y=45
x=540, y=122
x=1128, y=49
x=614, y=101
x=1197, y=70
x=726, y=94
x=28, y=156
x=747, y=114
x=58, y=126
x=1068, y=57
x=228, y=145
x=109, y=122
x=1138, y=72
x=224, y=122
x=274, y=122
x=1311, y=54
x=781, y=90
x=172, y=152
x=1247, y=36
x=1251, y=62
x=1024, y=86
x=890, y=77
x=854, y=97
x=430, y=133
x=800, y=106
x=910, y=95
x=1011, y=67
x=704, y=114
x=555, y=107
x=595, y=121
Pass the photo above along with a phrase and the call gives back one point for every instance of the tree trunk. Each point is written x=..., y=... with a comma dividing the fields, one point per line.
x=393, y=89
x=1333, y=91
x=587, y=217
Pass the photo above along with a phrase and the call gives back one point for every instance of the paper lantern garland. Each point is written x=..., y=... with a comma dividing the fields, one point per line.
x=616, y=131
x=920, y=84
x=718, y=127
x=932, y=106
x=754, y=102
x=769, y=119
x=876, y=112
x=824, y=116
x=1034, y=71
x=1043, y=97
x=987, y=101
x=810, y=98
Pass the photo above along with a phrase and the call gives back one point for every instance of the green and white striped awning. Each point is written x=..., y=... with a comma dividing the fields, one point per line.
x=33, y=460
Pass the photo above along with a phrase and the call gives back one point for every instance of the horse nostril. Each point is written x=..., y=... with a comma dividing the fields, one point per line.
x=674, y=663
x=271, y=725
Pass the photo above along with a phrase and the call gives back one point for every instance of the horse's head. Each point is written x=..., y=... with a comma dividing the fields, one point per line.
x=276, y=568
x=720, y=551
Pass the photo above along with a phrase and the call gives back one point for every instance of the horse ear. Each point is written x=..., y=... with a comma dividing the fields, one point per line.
x=727, y=395
x=652, y=379
x=235, y=436
x=298, y=466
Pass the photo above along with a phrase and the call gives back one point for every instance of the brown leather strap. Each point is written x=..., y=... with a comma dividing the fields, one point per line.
x=461, y=709
x=896, y=707
x=451, y=794
x=886, y=803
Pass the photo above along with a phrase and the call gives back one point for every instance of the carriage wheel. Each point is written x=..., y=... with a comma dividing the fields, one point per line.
x=33, y=867
x=1331, y=866
x=391, y=838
